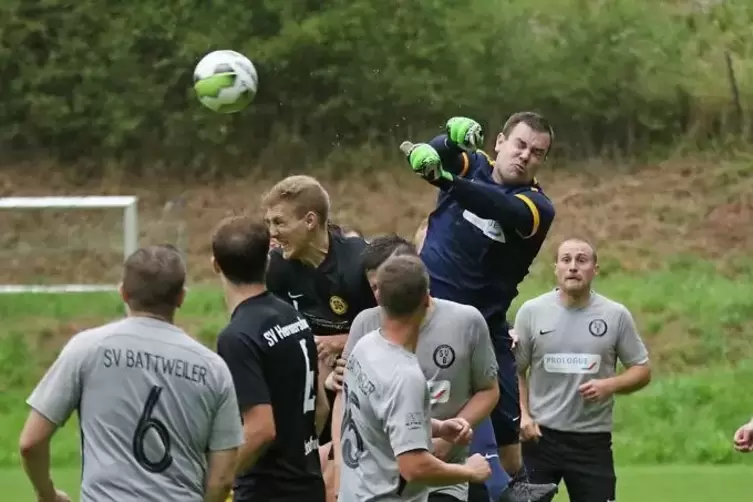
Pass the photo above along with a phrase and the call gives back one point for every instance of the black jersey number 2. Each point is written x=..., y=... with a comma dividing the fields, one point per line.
x=147, y=422
x=309, y=396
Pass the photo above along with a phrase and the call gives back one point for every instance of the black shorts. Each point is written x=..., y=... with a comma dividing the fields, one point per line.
x=506, y=414
x=442, y=497
x=583, y=460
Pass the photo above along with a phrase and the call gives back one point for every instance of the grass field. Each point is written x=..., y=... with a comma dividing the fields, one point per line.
x=674, y=483
x=672, y=441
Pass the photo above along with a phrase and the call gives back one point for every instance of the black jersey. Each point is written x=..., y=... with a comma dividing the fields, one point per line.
x=330, y=295
x=271, y=354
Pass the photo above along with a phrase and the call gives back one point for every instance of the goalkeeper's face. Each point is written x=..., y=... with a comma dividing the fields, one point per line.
x=520, y=154
x=291, y=232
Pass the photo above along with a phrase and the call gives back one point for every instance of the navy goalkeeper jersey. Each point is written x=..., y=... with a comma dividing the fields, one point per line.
x=482, y=236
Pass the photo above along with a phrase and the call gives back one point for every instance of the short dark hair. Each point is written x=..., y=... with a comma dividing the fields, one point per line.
x=240, y=246
x=534, y=120
x=403, y=284
x=382, y=247
x=153, y=279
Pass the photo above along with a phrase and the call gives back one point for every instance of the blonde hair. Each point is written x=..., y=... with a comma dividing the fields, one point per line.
x=303, y=193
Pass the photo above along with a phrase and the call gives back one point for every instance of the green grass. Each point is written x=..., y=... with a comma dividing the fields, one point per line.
x=697, y=322
x=675, y=483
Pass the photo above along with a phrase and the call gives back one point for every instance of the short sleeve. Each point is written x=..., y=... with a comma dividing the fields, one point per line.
x=484, y=366
x=524, y=347
x=630, y=347
x=406, y=422
x=59, y=391
x=245, y=360
x=227, y=429
x=358, y=329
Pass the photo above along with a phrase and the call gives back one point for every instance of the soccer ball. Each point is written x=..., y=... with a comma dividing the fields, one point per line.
x=225, y=81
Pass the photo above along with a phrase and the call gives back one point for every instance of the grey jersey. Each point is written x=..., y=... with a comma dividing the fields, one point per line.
x=565, y=347
x=151, y=402
x=456, y=356
x=385, y=414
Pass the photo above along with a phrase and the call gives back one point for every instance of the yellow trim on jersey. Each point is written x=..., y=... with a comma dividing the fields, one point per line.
x=488, y=159
x=534, y=213
x=466, y=164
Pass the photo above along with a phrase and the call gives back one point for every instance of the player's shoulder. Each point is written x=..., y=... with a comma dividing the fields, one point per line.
x=368, y=317
x=608, y=305
x=536, y=195
x=347, y=247
x=92, y=338
x=458, y=311
x=543, y=301
x=255, y=315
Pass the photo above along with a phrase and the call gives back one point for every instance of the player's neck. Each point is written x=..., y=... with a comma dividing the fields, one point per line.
x=575, y=300
x=317, y=249
x=400, y=333
x=159, y=317
x=237, y=294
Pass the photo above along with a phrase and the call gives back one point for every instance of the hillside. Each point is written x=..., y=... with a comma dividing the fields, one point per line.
x=674, y=241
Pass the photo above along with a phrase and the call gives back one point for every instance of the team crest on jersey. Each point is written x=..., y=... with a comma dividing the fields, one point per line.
x=597, y=327
x=338, y=305
x=444, y=356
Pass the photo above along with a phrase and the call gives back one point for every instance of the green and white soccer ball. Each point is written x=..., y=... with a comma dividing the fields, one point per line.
x=225, y=81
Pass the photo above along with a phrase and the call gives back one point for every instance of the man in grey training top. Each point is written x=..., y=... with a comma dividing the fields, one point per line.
x=457, y=359
x=386, y=430
x=569, y=342
x=157, y=410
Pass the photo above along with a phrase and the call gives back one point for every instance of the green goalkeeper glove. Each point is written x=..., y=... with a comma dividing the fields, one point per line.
x=466, y=133
x=425, y=161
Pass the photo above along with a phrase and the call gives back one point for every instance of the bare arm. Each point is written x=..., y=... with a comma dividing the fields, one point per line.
x=258, y=432
x=420, y=466
x=34, y=446
x=525, y=410
x=220, y=474
x=337, y=419
x=632, y=379
x=322, y=406
x=480, y=405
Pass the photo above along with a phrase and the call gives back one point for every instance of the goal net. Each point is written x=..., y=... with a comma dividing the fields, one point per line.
x=69, y=244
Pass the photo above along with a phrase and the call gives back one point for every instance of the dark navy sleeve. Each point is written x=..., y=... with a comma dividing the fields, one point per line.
x=276, y=276
x=527, y=212
x=454, y=159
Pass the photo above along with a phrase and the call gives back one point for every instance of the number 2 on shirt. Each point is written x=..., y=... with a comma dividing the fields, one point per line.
x=309, y=397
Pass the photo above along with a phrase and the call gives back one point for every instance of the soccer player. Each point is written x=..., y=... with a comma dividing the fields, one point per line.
x=316, y=268
x=386, y=426
x=489, y=223
x=270, y=351
x=743, y=439
x=457, y=358
x=157, y=410
x=569, y=342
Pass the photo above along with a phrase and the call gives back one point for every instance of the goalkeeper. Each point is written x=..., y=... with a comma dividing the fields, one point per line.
x=489, y=224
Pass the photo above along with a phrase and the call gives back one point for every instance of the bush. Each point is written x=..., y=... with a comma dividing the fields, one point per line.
x=101, y=79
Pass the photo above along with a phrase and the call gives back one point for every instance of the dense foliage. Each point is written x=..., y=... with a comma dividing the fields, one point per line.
x=110, y=79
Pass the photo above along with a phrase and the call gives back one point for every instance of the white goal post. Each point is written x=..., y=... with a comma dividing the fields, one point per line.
x=130, y=232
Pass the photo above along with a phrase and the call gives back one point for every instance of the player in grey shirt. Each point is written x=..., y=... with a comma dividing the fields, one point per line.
x=386, y=428
x=457, y=359
x=157, y=410
x=569, y=343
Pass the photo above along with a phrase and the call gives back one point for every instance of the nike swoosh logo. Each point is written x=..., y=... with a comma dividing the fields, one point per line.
x=487, y=456
x=292, y=296
x=545, y=331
